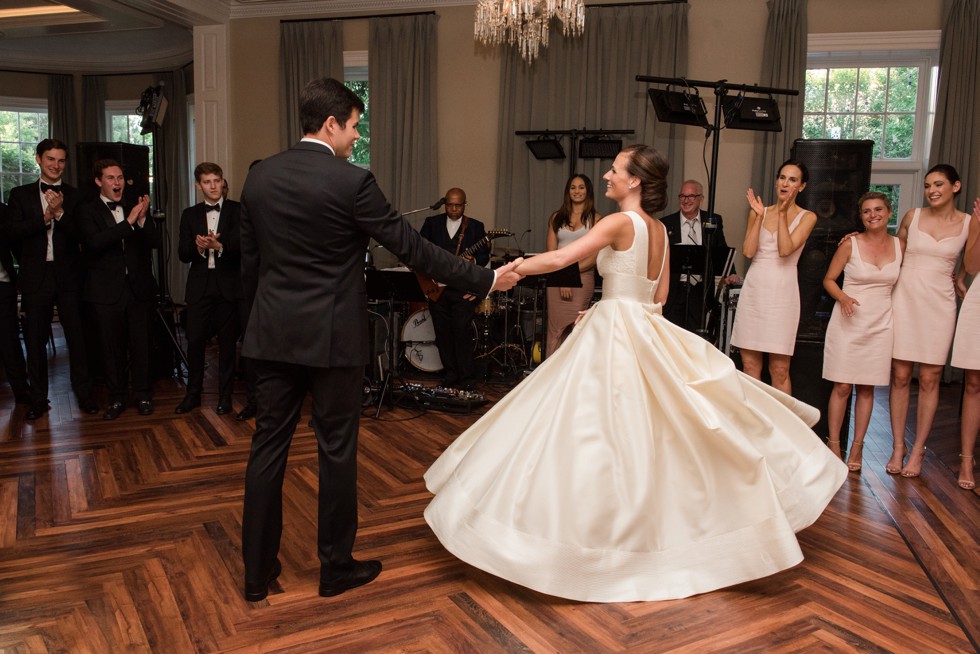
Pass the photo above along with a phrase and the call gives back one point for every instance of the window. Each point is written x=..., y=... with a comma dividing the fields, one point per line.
x=859, y=86
x=356, y=79
x=23, y=124
x=123, y=126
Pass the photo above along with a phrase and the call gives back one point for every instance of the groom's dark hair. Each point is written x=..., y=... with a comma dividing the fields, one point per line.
x=326, y=97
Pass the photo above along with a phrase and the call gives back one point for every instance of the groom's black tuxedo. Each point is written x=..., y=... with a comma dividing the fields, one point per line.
x=684, y=308
x=306, y=220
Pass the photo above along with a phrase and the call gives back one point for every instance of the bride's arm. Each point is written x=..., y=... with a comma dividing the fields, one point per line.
x=605, y=232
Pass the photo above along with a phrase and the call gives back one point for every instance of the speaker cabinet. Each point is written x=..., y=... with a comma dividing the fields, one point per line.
x=134, y=160
x=840, y=173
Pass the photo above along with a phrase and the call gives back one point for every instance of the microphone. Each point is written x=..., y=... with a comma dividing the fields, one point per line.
x=439, y=203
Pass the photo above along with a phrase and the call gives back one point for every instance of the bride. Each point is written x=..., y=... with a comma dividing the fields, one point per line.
x=658, y=471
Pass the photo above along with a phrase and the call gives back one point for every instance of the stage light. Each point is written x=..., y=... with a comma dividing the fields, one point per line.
x=546, y=148
x=599, y=148
x=153, y=107
x=681, y=107
x=761, y=114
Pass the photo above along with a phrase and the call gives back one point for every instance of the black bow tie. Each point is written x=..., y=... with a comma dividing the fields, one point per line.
x=112, y=205
x=211, y=207
x=50, y=187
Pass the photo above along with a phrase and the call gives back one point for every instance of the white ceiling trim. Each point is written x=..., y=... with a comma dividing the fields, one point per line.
x=28, y=62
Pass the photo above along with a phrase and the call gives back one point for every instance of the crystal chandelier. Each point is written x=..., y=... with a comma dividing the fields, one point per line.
x=526, y=22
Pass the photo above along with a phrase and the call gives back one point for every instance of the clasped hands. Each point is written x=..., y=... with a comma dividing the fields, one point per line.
x=55, y=202
x=138, y=212
x=506, y=278
x=209, y=242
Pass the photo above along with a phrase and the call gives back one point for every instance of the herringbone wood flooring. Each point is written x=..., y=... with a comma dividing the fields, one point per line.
x=125, y=536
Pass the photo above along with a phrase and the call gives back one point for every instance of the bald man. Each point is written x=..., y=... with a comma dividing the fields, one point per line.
x=452, y=313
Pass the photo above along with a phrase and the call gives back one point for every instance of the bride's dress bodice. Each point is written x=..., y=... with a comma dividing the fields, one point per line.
x=624, y=272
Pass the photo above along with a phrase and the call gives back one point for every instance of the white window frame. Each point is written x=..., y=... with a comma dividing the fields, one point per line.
x=869, y=49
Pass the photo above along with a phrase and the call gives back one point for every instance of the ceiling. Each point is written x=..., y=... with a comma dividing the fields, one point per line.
x=114, y=36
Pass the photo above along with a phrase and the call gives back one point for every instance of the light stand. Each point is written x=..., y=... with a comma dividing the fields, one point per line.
x=721, y=89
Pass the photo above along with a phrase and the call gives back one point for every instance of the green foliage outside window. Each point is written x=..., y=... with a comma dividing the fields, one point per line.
x=863, y=103
x=361, y=154
x=20, y=132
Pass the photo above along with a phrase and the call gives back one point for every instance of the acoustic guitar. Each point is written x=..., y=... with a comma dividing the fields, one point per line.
x=432, y=289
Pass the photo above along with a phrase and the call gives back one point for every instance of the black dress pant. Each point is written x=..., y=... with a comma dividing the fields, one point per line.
x=452, y=319
x=246, y=365
x=10, y=351
x=38, y=308
x=124, y=328
x=280, y=391
x=211, y=314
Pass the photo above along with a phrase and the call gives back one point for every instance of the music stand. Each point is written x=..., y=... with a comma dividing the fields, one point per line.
x=392, y=285
x=569, y=277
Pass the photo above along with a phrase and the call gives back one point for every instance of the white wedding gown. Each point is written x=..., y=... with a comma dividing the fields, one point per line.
x=636, y=463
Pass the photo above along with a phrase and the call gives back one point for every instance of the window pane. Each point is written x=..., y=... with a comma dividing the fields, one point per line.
x=30, y=128
x=816, y=90
x=28, y=163
x=899, y=131
x=870, y=127
x=8, y=126
x=872, y=84
x=903, y=87
x=842, y=89
x=840, y=126
x=361, y=153
x=813, y=127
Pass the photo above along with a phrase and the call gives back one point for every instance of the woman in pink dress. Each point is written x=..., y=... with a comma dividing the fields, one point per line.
x=575, y=218
x=966, y=354
x=858, y=346
x=924, y=303
x=769, y=304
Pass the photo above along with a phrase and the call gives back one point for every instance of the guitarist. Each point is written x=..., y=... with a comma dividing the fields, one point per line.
x=452, y=313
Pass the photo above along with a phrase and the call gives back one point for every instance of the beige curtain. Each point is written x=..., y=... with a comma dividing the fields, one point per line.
x=585, y=83
x=93, y=108
x=62, y=116
x=307, y=50
x=402, y=79
x=957, y=129
x=784, y=67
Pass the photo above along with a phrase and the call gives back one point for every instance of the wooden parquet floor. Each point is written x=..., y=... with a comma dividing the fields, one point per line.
x=125, y=537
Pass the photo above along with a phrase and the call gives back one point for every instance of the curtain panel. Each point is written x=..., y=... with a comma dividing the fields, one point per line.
x=402, y=79
x=784, y=67
x=62, y=116
x=585, y=83
x=308, y=50
x=956, y=132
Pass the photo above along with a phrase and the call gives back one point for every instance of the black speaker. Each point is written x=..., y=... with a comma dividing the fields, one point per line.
x=135, y=162
x=839, y=174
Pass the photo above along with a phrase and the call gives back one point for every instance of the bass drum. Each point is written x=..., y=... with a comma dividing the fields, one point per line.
x=419, y=339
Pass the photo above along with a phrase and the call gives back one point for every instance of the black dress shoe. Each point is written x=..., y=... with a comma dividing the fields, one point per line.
x=246, y=414
x=360, y=573
x=88, y=405
x=145, y=407
x=189, y=402
x=256, y=592
x=113, y=410
x=224, y=406
x=36, y=411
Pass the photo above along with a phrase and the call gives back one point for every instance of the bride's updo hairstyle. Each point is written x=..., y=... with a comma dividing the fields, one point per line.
x=650, y=167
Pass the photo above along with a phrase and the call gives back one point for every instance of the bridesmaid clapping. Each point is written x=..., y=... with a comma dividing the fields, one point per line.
x=858, y=346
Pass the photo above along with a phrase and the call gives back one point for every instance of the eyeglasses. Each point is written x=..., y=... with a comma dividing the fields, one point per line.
x=689, y=197
x=455, y=204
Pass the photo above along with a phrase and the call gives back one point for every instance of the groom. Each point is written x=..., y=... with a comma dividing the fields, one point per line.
x=306, y=218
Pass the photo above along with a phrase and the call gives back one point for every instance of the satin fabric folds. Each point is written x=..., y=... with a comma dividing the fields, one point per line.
x=635, y=464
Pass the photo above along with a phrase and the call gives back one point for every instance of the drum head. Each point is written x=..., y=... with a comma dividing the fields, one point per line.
x=419, y=339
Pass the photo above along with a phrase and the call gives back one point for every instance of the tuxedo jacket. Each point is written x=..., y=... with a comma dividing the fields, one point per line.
x=6, y=258
x=434, y=230
x=306, y=220
x=227, y=267
x=116, y=254
x=27, y=234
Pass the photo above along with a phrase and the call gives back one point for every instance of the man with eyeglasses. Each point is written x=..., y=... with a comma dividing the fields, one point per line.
x=452, y=313
x=690, y=226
